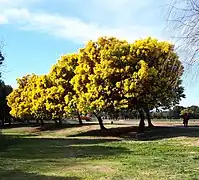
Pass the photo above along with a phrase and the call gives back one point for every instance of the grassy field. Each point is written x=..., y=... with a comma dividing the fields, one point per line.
x=83, y=152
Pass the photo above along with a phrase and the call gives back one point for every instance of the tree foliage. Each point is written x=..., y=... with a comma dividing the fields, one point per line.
x=62, y=100
x=107, y=75
x=176, y=112
x=1, y=58
x=114, y=74
x=5, y=90
x=48, y=96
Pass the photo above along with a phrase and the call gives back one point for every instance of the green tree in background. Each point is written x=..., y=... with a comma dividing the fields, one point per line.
x=5, y=90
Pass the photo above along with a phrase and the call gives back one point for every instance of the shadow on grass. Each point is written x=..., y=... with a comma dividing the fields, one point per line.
x=53, y=126
x=18, y=174
x=48, y=148
x=18, y=125
x=47, y=126
x=155, y=133
x=164, y=132
x=111, y=132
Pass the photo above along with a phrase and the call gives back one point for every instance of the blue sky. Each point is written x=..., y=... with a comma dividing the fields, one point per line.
x=37, y=32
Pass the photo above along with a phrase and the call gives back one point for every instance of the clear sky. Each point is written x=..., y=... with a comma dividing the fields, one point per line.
x=37, y=32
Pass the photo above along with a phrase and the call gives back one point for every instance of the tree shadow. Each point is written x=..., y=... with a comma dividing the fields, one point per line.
x=48, y=148
x=154, y=133
x=165, y=132
x=46, y=126
x=111, y=132
x=18, y=125
x=18, y=174
x=53, y=127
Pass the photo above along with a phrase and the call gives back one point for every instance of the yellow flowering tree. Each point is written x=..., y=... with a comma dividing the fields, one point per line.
x=162, y=87
x=61, y=97
x=18, y=99
x=96, y=77
x=113, y=74
x=38, y=91
x=106, y=75
x=48, y=96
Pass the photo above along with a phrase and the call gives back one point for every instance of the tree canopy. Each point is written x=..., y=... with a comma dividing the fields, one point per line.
x=1, y=60
x=5, y=90
x=105, y=75
x=115, y=74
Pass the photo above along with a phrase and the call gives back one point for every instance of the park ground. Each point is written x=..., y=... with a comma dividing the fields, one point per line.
x=73, y=152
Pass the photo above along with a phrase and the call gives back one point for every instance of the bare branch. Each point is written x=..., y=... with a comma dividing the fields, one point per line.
x=183, y=25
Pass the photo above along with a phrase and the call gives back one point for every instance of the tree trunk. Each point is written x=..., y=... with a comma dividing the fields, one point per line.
x=9, y=120
x=79, y=118
x=41, y=122
x=2, y=122
x=37, y=121
x=147, y=111
x=100, y=121
x=141, y=124
x=56, y=122
x=60, y=121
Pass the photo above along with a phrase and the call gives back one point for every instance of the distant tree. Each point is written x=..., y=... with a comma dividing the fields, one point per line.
x=193, y=112
x=177, y=111
x=194, y=108
x=1, y=60
x=186, y=110
x=5, y=90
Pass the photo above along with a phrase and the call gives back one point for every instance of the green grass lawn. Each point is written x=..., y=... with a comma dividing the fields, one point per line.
x=76, y=153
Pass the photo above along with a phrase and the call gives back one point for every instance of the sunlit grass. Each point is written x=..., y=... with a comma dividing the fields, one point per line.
x=27, y=153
